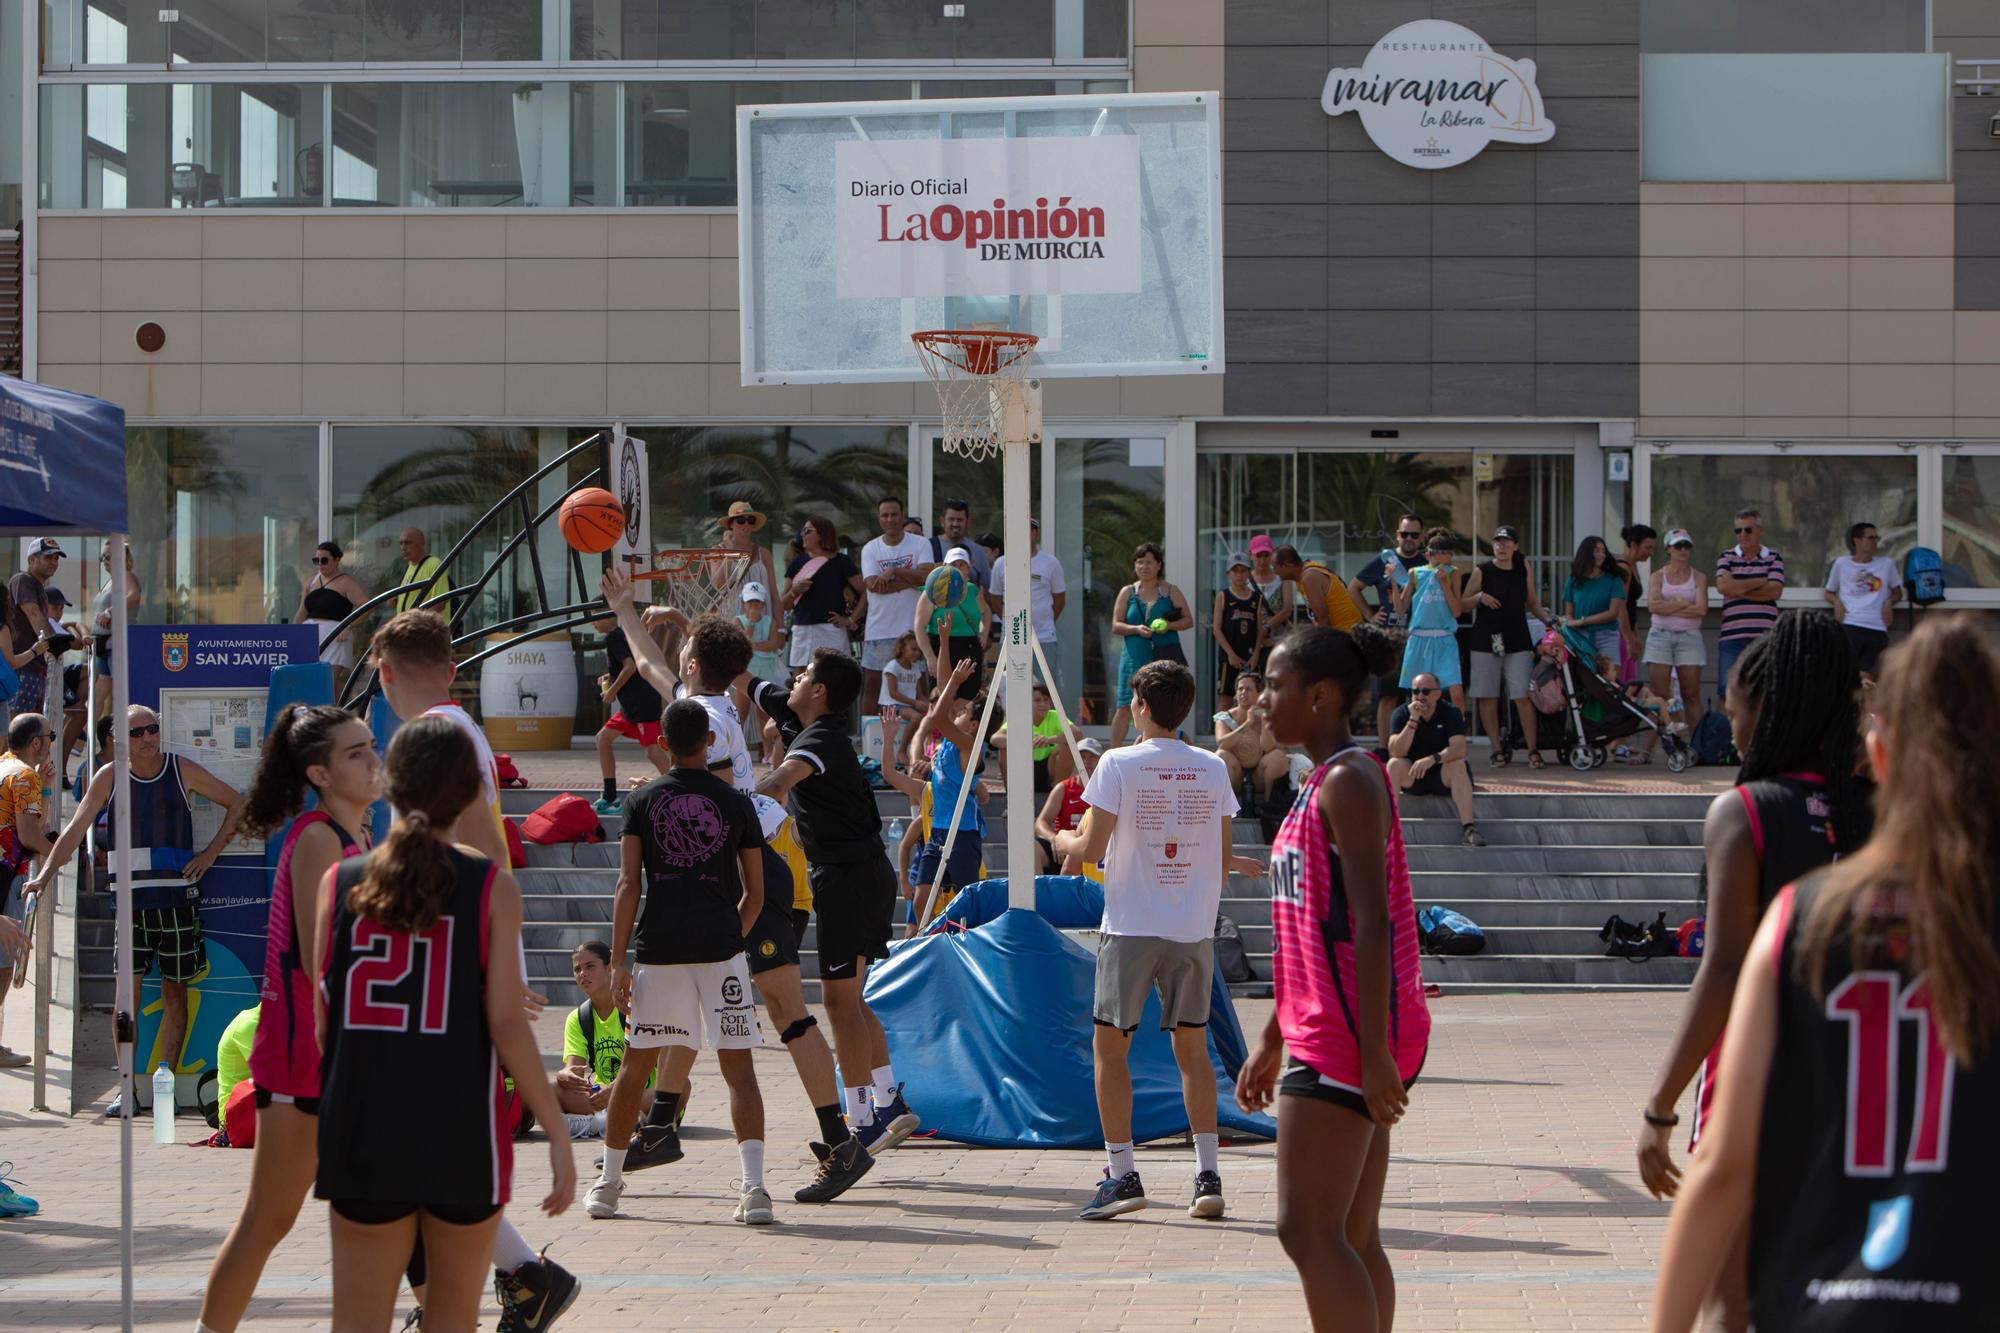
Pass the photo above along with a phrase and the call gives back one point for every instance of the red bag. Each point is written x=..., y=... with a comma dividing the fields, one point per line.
x=564, y=818
x=505, y=772
x=1691, y=937
x=517, y=855
x=239, y=1115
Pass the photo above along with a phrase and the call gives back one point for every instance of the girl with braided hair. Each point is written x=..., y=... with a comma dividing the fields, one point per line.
x=1792, y=706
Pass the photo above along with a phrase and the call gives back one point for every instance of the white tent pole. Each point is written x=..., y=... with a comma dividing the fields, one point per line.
x=126, y=1005
x=1020, y=415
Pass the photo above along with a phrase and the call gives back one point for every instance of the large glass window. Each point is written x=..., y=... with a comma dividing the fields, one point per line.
x=1771, y=26
x=680, y=138
x=256, y=32
x=224, y=520
x=846, y=30
x=185, y=145
x=1807, y=502
x=455, y=145
x=1971, y=520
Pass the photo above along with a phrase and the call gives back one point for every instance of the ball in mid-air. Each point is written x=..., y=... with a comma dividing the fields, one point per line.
x=945, y=586
x=592, y=520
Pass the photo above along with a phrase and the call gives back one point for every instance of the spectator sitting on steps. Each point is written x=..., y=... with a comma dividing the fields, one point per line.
x=1245, y=743
x=1427, y=752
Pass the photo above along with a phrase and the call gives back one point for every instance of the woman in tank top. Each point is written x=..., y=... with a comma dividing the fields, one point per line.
x=1794, y=809
x=1350, y=994
x=330, y=597
x=1236, y=623
x=420, y=986
x=1677, y=592
x=329, y=753
x=1142, y=603
x=1866, y=1023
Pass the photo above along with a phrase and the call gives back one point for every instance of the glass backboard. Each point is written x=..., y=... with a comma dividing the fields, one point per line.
x=1093, y=221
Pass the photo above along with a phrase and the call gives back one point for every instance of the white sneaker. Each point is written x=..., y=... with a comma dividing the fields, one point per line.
x=753, y=1209
x=582, y=1126
x=603, y=1198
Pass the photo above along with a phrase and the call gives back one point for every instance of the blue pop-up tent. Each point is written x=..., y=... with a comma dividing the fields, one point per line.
x=62, y=474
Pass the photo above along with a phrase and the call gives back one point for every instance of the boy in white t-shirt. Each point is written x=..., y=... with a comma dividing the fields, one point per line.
x=1162, y=811
x=1862, y=588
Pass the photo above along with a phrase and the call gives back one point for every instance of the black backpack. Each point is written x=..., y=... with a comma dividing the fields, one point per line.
x=1711, y=742
x=1230, y=955
x=1639, y=941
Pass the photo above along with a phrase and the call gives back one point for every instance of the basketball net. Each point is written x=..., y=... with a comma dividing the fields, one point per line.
x=696, y=579
x=976, y=372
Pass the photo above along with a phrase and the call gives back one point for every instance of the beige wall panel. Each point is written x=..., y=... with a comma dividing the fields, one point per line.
x=896, y=400
x=354, y=238
x=1175, y=69
x=1900, y=428
x=659, y=284
x=74, y=284
x=556, y=284
x=456, y=284
x=722, y=285
x=725, y=338
x=1170, y=395
x=1795, y=229
x=1690, y=427
x=1177, y=23
x=722, y=235
x=1690, y=192
x=1795, y=284
x=229, y=390
x=1779, y=391
x=1977, y=336
x=453, y=336
x=67, y=337
x=1677, y=230
x=118, y=343
x=1976, y=393
x=1900, y=229
x=1798, y=427
x=1080, y=397
x=1785, y=192
x=247, y=335
x=70, y=238
x=1902, y=192
x=76, y=378
x=555, y=390
x=355, y=284
x=348, y=337
x=1923, y=336
x=1691, y=391
x=455, y=235
x=252, y=237
x=1690, y=284
x=1984, y=427
x=559, y=236
x=252, y=284
x=431, y=390
x=729, y=398
x=1900, y=391
x=346, y=390
x=636, y=390
x=1901, y=284
x=660, y=235
x=1794, y=336
x=151, y=238
x=556, y=336
x=647, y=336
x=1691, y=335
x=146, y=284
x=1975, y=19
x=154, y=390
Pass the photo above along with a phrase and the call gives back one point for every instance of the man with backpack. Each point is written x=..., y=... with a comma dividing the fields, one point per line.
x=1863, y=588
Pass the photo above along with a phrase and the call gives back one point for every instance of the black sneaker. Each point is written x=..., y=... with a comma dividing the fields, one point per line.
x=534, y=1296
x=1207, y=1195
x=1469, y=836
x=654, y=1145
x=839, y=1168
x=1122, y=1194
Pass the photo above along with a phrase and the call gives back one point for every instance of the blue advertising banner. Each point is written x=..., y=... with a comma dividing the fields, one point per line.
x=210, y=685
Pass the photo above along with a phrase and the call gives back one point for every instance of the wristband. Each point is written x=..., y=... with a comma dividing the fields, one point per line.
x=1660, y=1121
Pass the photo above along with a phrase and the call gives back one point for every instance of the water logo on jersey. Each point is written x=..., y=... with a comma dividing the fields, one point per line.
x=1888, y=1233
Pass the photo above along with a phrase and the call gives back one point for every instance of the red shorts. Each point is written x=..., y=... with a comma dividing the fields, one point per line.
x=646, y=733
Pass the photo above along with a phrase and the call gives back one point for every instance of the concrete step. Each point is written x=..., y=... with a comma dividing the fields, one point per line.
x=1508, y=970
x=1503, y=831
x=1458, y=886
x=1645, y=806
x=1595, y=862
x=1580, y=913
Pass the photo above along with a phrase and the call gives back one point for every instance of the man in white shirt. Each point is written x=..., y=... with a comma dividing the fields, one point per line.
x=1862, y=588
x=1046, y=594
x=893, y=567
x=1162, y=811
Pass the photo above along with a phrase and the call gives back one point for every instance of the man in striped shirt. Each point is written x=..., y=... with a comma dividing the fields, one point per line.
x=1750, y=576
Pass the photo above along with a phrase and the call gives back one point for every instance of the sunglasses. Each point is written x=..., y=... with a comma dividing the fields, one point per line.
x=1422, y=693
x=1681, y=546
x=322, y=560
x=741, y=521
x=1411, y=532
x=1744, y=531
x=150, y=729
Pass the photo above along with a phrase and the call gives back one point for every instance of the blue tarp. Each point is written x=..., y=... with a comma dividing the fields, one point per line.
x=62, y=461
x=988, y=1016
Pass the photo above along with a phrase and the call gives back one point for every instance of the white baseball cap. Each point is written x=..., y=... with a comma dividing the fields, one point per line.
x=957, y=553
x=754, y=592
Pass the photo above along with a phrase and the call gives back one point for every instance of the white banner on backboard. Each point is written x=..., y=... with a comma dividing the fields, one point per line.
x=987, y=217
x=634, y=491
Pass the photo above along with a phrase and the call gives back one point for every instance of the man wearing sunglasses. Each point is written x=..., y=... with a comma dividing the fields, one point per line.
x=1427, y=752
x=1751, y=577
x=166, y=869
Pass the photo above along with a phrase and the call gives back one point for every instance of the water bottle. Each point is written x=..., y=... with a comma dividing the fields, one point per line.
x=163, y=1104
x=1392, y=567
x=892, y=836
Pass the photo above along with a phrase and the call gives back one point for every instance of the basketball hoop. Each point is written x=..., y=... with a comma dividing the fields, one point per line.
x=975, y=371
x=698, y=578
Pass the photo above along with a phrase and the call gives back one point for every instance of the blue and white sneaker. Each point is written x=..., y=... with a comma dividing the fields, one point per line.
x=1115, y=1195
x=13, y=1203
x=604, y=807
x=893, y=1124
x=869, y=1136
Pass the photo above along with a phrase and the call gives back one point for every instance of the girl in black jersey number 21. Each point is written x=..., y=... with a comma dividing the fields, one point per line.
x=421, y=987
x=1865, y=1026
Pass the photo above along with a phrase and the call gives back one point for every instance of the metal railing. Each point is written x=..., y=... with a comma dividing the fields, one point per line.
x=1983, y=79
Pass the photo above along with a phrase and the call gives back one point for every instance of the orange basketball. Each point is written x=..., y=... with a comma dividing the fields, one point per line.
x=592, y=520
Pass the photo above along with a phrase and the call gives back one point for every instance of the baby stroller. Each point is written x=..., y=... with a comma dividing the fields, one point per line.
x=1597, y=710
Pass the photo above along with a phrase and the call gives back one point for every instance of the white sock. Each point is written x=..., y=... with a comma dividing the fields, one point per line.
x=752, y=1153
x=860, y=1112
x=885, y=1085
x=200, y=1327
x=510, y=1248
x=1205, y=1153
x=614, y=1163
x=1122, y=1164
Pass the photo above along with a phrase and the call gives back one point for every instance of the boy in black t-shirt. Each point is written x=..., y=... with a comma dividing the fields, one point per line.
x=637, y=716
x=697, y=844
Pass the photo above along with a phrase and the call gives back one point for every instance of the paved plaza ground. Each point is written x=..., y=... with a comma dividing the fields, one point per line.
x=1512, y=1204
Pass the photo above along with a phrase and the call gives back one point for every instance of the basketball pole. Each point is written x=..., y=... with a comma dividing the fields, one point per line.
x=1019, y=415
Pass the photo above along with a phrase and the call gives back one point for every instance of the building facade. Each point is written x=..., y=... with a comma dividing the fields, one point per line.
x=391, y=259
